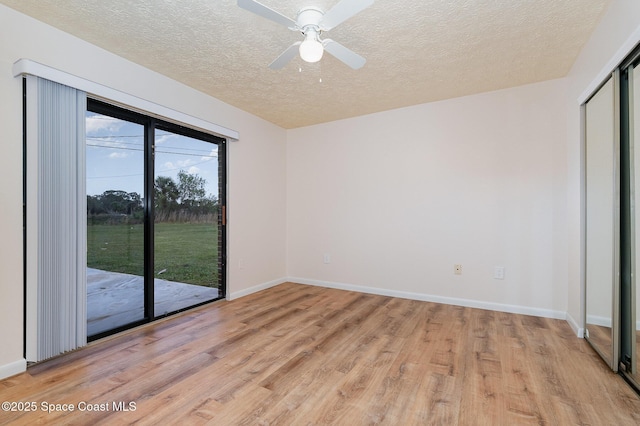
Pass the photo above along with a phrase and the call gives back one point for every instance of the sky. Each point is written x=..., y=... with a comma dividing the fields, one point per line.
x=115, y=156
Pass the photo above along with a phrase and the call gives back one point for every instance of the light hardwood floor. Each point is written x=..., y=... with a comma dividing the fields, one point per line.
x=298, y=354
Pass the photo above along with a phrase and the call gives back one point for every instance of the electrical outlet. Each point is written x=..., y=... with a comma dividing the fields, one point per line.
x=457, y=269
x=326, y=258
x=498, y=272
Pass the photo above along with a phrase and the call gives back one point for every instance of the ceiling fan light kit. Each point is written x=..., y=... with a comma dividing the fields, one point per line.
x=311, y=22
x=311, y=49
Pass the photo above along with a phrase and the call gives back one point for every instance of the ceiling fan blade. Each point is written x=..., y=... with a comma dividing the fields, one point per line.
x=285, y=56
x=265, y=12
x=343, y=54
x=342, y=11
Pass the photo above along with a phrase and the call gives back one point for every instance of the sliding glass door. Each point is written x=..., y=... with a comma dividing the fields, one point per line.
x=115, y=222
x=186, y=222
x=155, y=231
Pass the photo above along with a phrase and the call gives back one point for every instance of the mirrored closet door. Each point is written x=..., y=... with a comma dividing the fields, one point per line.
x=630, y=138
x=602, y=268
x=611, y=118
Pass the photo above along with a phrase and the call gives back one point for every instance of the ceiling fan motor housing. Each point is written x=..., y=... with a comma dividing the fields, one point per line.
x=312, y=22
x=309, y=19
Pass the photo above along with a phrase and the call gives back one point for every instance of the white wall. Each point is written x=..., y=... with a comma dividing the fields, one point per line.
x=397, y=198
x=256, y=173
x=618, y=25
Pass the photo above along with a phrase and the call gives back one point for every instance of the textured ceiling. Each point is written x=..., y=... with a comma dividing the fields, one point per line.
x=416, y=51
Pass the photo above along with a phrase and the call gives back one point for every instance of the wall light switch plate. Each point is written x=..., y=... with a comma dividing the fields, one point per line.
x=498, y=272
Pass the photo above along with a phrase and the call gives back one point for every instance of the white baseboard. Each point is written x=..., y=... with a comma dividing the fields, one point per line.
x=514, y=309
x=599, y=320
x=255, y=288
x=574, y=325
x=13, y=368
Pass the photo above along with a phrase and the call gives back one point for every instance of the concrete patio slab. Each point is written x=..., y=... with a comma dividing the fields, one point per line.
x=115, y=299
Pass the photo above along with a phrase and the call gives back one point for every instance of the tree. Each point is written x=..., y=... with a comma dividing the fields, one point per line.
x=187, y=197
x=94, y=205
x=114, y=205
x=166, y=194
x=116, y=202
x=191, y=188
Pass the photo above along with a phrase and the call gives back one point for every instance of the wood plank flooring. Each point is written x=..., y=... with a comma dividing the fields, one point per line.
x=298, y=355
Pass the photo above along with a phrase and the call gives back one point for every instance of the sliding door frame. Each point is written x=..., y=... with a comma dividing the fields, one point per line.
x=151, y=124
x=628, y=323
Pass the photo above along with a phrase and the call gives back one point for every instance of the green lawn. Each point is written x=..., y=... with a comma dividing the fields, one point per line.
x=187, y=252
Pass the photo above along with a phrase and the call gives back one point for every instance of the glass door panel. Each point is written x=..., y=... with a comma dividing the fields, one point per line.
x=602, y=219
x=115, y=229
x=187, y=222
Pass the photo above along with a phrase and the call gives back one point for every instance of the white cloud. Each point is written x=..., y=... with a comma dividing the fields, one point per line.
x=97, y=123
x=118, y=155
x=182, y=164
x=113, y=142
x=193, y=170
x=163, y=138
x=213, y=154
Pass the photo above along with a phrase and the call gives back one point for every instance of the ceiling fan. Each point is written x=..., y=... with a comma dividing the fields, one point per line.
x=312, y=22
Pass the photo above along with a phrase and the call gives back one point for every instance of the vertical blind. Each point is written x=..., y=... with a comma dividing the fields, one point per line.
x=56, y=219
